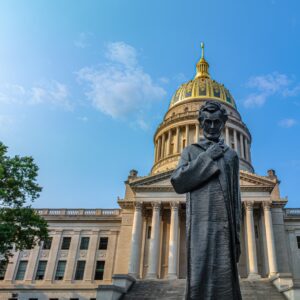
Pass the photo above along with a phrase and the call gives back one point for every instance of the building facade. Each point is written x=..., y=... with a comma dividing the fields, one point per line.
x=145, y=236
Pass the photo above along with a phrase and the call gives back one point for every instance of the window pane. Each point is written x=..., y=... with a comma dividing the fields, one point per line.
x=99, y=270
x=21, y=270
x=66, y=243
x=47, y=244
x=84, y=244
x=80, y=270
x=3, y=267
x=60, y=270
x=40, y=272
x=298, y=241
x=103, y=243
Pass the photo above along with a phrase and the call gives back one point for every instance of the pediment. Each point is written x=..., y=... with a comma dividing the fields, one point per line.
x=162, y=182
x=157, y=180
x=248, y=179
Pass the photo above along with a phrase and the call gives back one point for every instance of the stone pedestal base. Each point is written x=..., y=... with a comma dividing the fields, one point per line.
x=253, y=276
x=172, y=276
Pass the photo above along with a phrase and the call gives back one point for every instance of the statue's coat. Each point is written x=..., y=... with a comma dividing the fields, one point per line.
x=213, y=213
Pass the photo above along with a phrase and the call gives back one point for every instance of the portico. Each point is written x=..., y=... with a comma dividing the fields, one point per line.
x=158, y=242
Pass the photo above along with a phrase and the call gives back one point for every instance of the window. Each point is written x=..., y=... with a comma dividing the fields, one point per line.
x=66, y=243
x=84, y=244
x=99, y=270
x=3, y=267
x=60, y=270
x=40, y=272
x=47, y=244
x=298, y=241
x=103, y=243
x=21, y=269
x=80, y=270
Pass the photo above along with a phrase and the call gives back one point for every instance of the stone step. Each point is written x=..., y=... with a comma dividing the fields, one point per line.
x=174, y=290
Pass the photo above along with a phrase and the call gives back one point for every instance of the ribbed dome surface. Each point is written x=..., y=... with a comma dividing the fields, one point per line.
x=203, y=88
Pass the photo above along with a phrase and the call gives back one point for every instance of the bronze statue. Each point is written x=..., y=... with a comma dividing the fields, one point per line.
x=208, y=172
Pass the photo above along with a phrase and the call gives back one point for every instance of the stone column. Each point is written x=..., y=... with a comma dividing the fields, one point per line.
x=91, y=256
x=252, y=256
x=187, y=133
x=11, y=267
x=242, y=145
x=173, y=242
x=168, y=143
x=136, y=236
x=163, y=146
x=270, y=239
x=158, y=149
x=154, y=242
x=227, y=141
x=197, y=133
x=52, y=257
x=32, y=264
x=110, y=256
x=72, y=256
x=249, y=152
x=235, y=140
x=176, y=143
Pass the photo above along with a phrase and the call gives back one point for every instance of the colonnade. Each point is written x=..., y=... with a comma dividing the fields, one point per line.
x=173, y=141
x=251, y=241
x=154, y=247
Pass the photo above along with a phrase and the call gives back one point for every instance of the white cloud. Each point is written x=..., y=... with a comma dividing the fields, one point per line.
x=122, y=53
x=266, y=86
x=287, y=123
x=120, y=88
x=51, y=92
x=255, y=100
x=12, y=93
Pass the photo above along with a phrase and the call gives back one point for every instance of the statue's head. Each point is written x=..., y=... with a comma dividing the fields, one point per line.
x=212, y=118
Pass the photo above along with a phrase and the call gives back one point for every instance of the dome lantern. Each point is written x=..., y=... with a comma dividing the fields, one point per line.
x=202, y=66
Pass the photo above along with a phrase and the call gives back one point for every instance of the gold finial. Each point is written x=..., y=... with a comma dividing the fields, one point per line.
x=202, y=47
x=202, y=65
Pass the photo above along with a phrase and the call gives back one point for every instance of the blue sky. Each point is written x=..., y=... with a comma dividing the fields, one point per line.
x=83, y=85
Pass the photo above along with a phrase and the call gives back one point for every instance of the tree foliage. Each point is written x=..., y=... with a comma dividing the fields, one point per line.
x=20, y=225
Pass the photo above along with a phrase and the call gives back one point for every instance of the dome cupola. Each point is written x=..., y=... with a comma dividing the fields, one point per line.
x=180, y=126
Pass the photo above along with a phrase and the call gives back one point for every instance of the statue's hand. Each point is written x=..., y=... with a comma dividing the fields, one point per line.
x=215, y=151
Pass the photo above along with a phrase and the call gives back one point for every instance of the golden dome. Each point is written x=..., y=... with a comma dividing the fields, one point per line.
x=202, y=87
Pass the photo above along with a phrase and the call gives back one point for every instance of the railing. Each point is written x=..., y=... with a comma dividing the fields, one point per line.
x=78, y=212
x=292, y=212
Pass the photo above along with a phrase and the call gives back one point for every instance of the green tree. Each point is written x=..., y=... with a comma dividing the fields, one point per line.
x=20, y=225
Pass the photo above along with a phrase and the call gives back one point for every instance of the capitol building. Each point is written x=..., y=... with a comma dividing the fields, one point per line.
x=111, y=253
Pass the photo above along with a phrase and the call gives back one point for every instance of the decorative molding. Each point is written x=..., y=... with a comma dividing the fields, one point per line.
x=138, y=205
x=156, y=206
x=267, y=205
x=174, y=205
x=249, y=205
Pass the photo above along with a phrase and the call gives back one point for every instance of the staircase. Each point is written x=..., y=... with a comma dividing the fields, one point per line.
x=174, y=290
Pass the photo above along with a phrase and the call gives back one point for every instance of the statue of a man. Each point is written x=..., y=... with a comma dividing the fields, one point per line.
x=208, y=172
